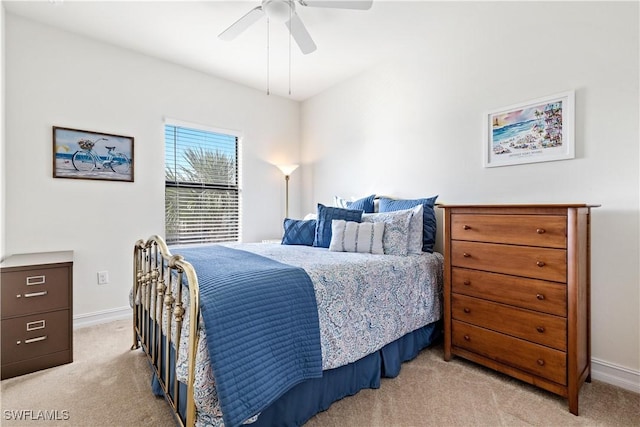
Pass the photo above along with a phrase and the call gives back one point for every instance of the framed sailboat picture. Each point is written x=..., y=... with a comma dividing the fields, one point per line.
x=540, y=130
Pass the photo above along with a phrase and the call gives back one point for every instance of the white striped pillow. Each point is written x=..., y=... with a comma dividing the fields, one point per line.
x=350, y=236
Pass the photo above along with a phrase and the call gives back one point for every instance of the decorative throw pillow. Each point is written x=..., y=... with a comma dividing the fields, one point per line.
x=349, y=236
x=396, y=230
x=326, y=214
x=428, y=215
x=365, y=204
x=299, y=232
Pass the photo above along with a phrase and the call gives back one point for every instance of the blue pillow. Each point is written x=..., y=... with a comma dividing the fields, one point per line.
x=365, y=204
x=428, y=216
x=327, y=214
x=299, y=232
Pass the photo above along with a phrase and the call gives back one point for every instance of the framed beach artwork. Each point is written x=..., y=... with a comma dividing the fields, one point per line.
x=83, y=154
x=540, y=130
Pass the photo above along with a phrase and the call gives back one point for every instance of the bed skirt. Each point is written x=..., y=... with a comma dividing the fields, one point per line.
x=308, y=398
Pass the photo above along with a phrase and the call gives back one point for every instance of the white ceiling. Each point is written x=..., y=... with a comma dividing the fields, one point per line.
x=185, y=32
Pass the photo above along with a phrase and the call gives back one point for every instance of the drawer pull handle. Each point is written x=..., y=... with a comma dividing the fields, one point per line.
x=466, y=255
x=35, y=294
x=467, y=338
x=466, y=310
x=34, y=326
x=466, y=227
x=540, y=362
x=541, y=231
x=540, y=263
x=540, y=329
x=540, y=297
x=36, y=280
x=466, y=282
x=32, y=340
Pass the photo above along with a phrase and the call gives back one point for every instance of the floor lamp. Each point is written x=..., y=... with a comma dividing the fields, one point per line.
x=287, y=170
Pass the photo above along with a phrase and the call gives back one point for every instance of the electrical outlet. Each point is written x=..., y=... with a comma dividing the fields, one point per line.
x=103, y=277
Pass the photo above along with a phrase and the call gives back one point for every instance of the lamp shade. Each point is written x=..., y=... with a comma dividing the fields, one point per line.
x=287, y=169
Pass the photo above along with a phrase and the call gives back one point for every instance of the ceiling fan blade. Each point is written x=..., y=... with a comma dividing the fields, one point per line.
x=300, y=34
x=242, y=24
x=338, y=4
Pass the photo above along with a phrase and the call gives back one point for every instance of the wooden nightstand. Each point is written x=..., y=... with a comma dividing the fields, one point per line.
x=37, y=318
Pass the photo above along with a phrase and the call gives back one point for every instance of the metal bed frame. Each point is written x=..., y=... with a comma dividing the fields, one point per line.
x=157, y=292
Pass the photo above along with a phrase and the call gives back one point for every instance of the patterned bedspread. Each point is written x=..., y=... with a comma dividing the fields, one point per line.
x=364, y=302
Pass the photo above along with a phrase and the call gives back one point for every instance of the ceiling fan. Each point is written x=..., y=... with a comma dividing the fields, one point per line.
x=285, y=11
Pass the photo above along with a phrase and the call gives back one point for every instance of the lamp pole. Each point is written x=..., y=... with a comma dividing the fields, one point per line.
x=286, y=171
x=286, y=206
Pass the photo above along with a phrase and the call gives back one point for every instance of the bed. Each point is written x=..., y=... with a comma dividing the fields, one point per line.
x=282, y=331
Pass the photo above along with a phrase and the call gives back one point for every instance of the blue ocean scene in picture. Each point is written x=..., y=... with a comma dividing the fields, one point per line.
x=69, y=156
x=529, y=130
x=509, y=131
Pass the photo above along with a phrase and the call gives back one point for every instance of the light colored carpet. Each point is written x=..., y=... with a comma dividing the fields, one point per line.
x=108, y=385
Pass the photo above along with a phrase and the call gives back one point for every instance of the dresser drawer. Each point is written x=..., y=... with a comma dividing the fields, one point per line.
x=37, y=290
x=534, y=294
x=529, y=325
x=529, y=230
x=34, y=335
x=533, y=358
x=527, y=261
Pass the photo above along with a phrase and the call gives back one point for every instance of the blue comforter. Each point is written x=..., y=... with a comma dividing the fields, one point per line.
x=262, y=325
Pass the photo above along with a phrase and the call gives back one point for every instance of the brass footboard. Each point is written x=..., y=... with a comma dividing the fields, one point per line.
x=158, y=310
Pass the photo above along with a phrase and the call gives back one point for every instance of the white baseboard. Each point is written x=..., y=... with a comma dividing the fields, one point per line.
x=104, y=316
x=616, y=375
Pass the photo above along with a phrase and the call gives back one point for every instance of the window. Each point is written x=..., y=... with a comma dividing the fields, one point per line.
x=202, y=193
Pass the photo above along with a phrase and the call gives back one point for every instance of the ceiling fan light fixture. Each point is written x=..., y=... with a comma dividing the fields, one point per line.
x=278, y=10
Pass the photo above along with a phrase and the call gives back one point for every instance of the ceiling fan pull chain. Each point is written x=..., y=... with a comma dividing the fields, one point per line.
x=268, y=91
x=290, y=13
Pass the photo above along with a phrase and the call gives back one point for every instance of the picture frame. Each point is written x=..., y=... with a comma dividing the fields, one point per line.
x=83, y=154
x=539, y=130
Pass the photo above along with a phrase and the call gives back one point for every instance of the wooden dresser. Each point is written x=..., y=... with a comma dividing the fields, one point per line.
x=516, y=296
x=37, y=316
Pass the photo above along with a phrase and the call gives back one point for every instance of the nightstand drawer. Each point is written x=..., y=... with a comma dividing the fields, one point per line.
x=534, y=294
x=533, y=358
x=36, y=290
x=527, y=261
x=530, y=230
x=35, y=335
x=529, y=325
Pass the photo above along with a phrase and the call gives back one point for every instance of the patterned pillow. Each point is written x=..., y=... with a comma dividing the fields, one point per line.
x=428, y=216
x=349, y=236
x=327, y=214
x=365, y=204
x=299, y=232
x=396, y=230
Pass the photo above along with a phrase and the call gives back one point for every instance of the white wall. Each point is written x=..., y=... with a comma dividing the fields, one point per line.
x=54, y=78
x=2, y=136
x=413, y=126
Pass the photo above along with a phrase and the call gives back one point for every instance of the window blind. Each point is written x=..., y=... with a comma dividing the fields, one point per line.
x=202, y=194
